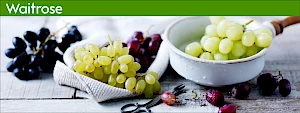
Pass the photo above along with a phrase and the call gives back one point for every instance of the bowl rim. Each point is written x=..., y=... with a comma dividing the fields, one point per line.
x=176, y=50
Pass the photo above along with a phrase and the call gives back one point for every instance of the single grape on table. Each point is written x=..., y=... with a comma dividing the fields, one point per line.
x=115, y=66
x=229, y=40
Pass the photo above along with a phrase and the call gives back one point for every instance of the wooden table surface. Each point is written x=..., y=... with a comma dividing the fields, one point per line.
x=44, y=95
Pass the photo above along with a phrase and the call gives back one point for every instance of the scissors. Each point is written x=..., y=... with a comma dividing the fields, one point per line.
x=136, y=108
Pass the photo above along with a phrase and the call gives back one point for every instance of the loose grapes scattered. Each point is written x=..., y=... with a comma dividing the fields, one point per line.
x=116, y=67
x=229, y=40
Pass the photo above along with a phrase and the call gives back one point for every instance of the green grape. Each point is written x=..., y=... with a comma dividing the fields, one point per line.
x=121, y=78
x=194, y=49
x=118, y=46
x=263, y=40
x=96, y=63
x=134, y=65
x=203, y=39
x=211, y=30
x=234, y=33
x=154, y=74
x=248, y=38
x=252, y=50
x=243, y=56
x=259, y=49
x=220, y=56
x=88, y=59
x=78, y=55
x=89, y=68
x=104, y=60
x=111, y=51
x=120, y=85
x=238, y=49
x=216, y=19
x=207, y=56
x=104, y=78
x=211, y=44
x=114, y=67
x=237, y=25
x=103, y=51
x=225, y=46
x=156, y=87
x=232, y=57
x=112, y=80
x=140, y=86
x=79, y=66
x=107, y=69
x=150, y=79
x=130, y=83
x=94, y=49
x=83, y=53
x=91, y=75
x=79, y=49
x=123, y=68
x=148, y=91
x=263, y=30
x=222, y=27
x=98, y=73
x=130, y=73
x=125, y=59
x=81, y=72
x=124, y=51
x=140, y=78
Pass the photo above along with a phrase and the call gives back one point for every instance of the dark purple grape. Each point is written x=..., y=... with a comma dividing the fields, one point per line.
x=145, y=63
x=152, y=58
x=30, y=36
x=22, y=60
x=74, y=31
x=268, y=87
x=43, y=34
x=21, y=74
x=284, y=87
x=137, y=60
x=134, y=47
x=33, y=73
x=263, y=77
x=48, y=61
x=63, y=46
x=12, y=53
x=142, y=51
x=10, y=66
x=138, y=35
x=68, y=38
x=156, y=37
x=153, y=47
x=50, y=45
x=146, y=43
x=36, y=60
x=32, y=45
x=19, y=43
x=241, y=91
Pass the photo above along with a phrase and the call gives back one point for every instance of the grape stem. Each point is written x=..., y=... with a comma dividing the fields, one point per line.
x=109, y=39
x=47, y=39
x=247, y=23
x=279, y=73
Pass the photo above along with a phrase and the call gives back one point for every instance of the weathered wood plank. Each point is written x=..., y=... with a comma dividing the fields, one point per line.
x=44, y=87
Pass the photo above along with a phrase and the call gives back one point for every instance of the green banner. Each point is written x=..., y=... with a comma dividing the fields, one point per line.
x=150, y=7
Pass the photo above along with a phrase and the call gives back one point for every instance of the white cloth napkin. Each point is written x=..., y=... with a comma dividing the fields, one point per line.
x=96, y=29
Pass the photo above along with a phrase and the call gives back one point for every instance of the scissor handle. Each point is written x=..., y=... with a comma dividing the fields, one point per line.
x=136, y=110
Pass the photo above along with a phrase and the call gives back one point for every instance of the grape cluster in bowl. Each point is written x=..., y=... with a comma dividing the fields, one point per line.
x=116, y=67
x=228, y=40
x=41, y=55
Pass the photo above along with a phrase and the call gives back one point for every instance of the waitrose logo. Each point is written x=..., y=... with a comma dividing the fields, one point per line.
x=31, y=8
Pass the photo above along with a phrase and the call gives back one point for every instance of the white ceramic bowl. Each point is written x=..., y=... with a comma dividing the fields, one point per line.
x=209, y=72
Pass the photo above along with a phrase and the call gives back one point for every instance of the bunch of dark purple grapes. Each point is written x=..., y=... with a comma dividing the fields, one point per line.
x=41, y=55
x=144, y=50
x=268, y=83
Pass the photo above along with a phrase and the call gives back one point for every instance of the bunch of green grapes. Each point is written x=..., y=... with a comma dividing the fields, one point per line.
x=114, y=66
x=228, y=40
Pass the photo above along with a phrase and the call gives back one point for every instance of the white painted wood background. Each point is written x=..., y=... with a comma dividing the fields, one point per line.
x=44, y=95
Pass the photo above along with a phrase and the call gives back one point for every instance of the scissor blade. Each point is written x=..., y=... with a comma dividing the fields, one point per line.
x=177, y=88
x=153, y=102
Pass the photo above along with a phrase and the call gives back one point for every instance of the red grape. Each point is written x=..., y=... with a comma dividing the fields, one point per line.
x=228, y=108
x=267, y=84
x=146, y=42
x=138, y=35
x=134, y=47
x=241, y=91
x=284, y=87
x=157, y=37
x=168, y=98
x=153, y=47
